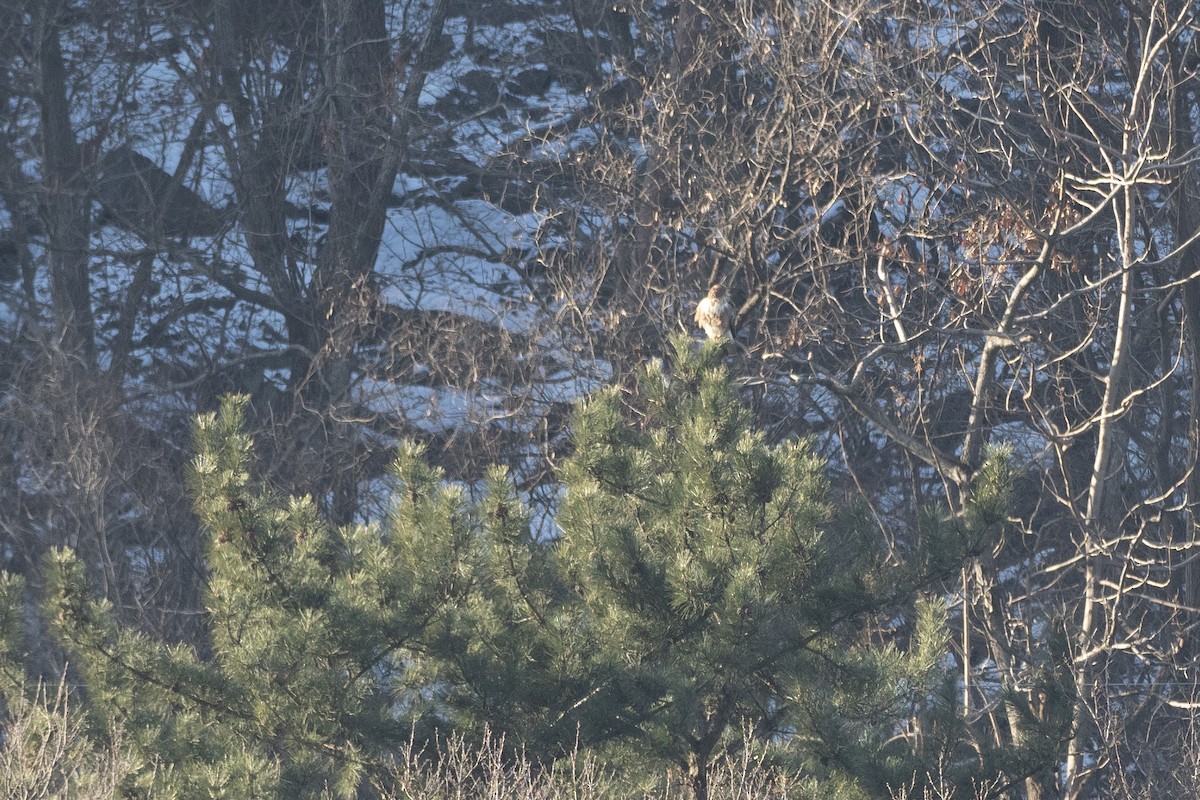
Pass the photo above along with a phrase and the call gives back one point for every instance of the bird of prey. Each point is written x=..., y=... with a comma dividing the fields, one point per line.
x=715, y=313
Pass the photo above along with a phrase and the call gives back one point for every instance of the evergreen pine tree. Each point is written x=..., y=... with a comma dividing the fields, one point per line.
x=701, y=587
x=308, y=626
x=701, y=594
x=721, y=595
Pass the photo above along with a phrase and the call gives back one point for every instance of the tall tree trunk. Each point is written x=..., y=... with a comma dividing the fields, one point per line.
x=697, y=773
x=366, y=131
x=66, y=198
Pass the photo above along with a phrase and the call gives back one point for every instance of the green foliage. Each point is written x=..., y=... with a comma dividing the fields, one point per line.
x=492, y=656
x=701, y=589
x=12, y=671
x=702, y=596
x=698, y=553
x=296, y=694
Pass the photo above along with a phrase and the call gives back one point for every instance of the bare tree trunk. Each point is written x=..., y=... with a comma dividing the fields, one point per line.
x=366, y=132
x=1100, y=513
x=697, y=772
x=1187, y=229
x=66, y=198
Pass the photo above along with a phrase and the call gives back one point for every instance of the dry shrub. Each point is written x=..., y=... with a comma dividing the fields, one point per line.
x=92, y=470
x=45, y=752
x=457, y=768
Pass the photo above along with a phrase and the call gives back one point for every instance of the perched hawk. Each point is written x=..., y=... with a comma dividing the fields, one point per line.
x=715, y=313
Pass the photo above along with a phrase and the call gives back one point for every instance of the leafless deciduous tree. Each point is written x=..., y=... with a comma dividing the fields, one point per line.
x=944, y=229
x=286, y=199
